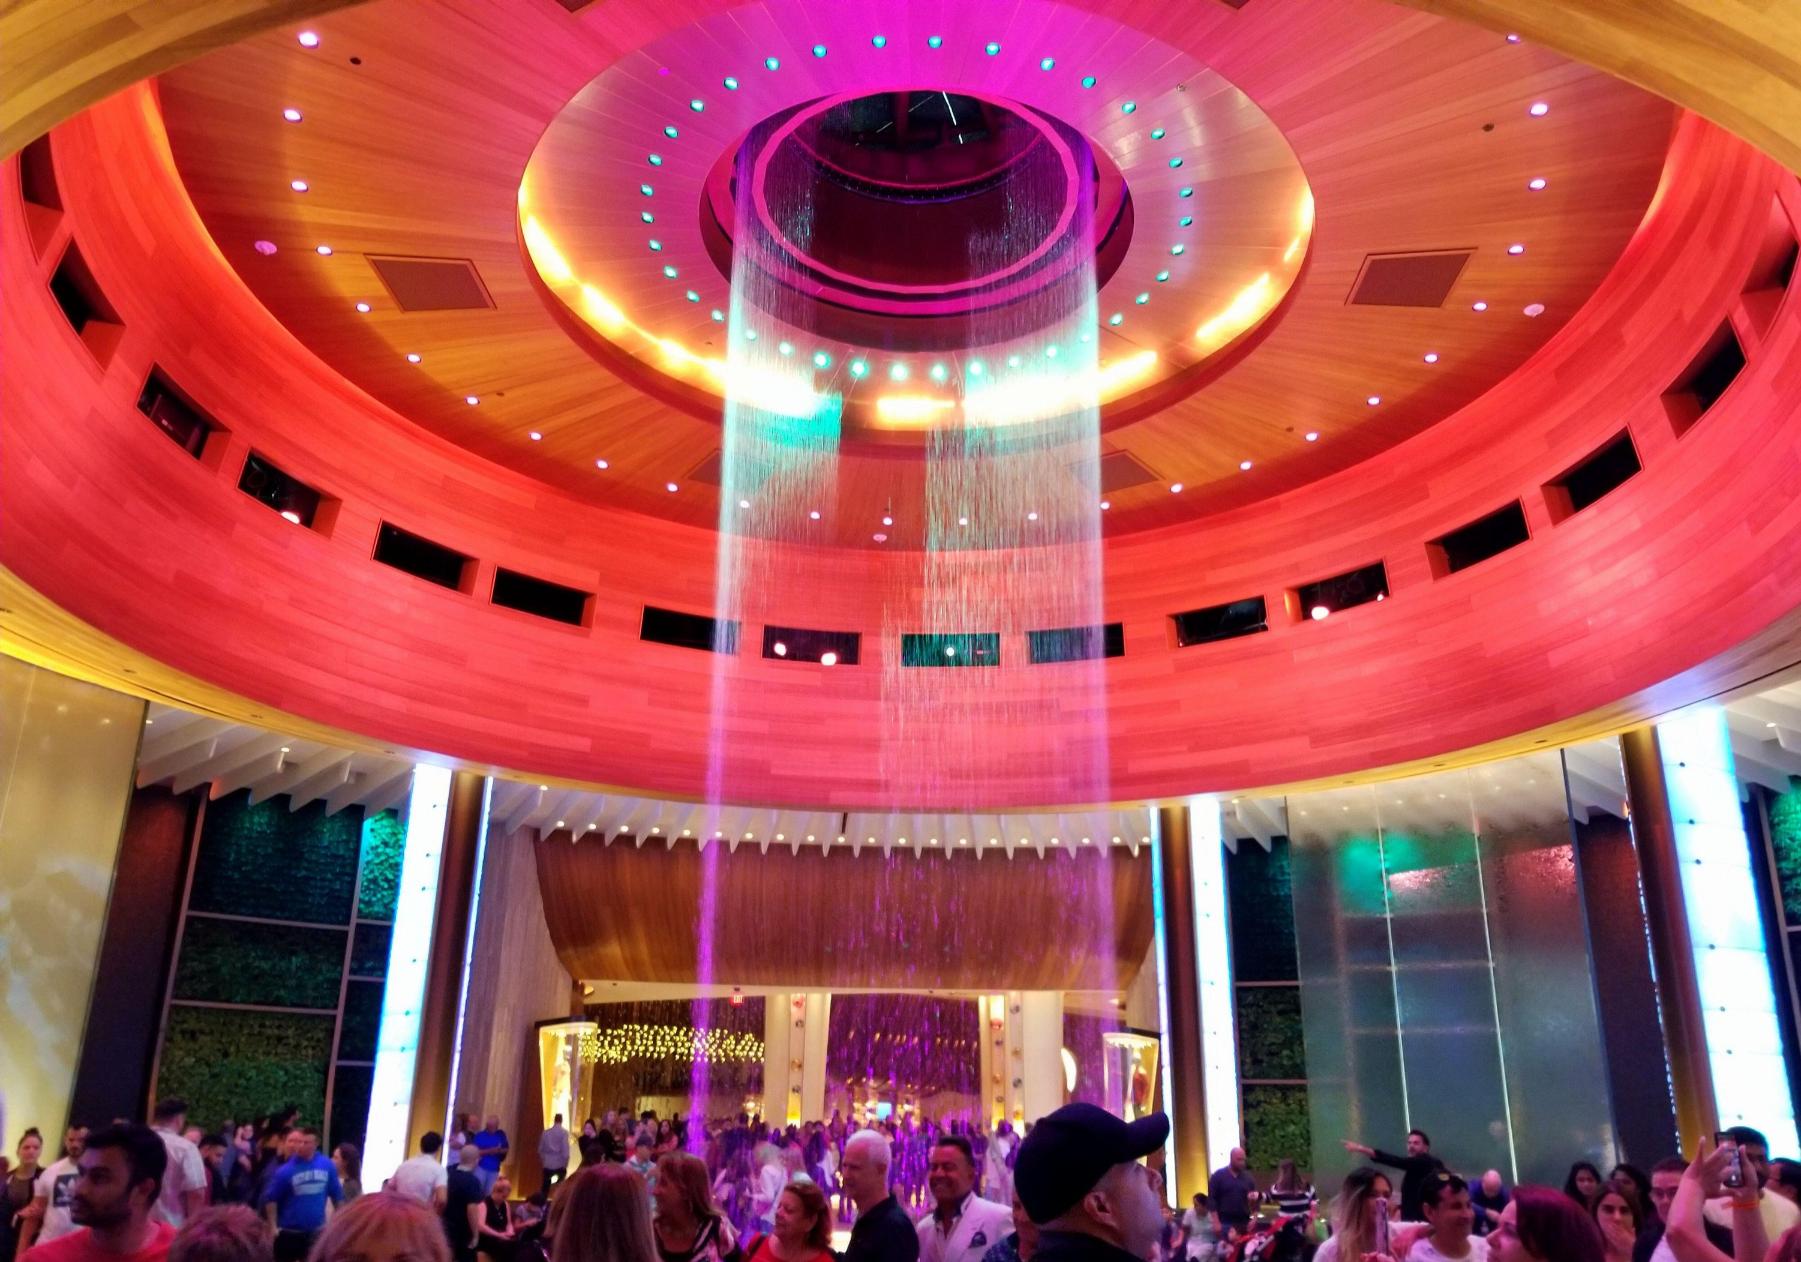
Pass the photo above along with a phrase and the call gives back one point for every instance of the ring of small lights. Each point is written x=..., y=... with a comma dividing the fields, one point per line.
x=611, y=219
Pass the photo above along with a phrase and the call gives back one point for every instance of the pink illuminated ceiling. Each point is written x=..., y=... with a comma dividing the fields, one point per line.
x=1413, y=134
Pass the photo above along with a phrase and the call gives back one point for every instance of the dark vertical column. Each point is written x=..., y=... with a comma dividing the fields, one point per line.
x=1644, y=1114
x=137, y=949
x=1672, y=951
x=1182, y=991
x=457, y=879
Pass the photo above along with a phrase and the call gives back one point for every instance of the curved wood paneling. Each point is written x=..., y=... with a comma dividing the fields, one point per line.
x=815, y=921
x=1667, y=590
x=1736, y=64
x=58, y=57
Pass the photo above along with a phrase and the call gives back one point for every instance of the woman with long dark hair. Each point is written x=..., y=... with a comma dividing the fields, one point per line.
x=1583, y=1184
x=603, y=1218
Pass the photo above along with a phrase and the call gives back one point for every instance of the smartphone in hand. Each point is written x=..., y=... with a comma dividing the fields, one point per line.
x=1735, y=1165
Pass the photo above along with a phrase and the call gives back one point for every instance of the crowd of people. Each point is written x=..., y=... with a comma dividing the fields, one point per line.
x=1081, y=1185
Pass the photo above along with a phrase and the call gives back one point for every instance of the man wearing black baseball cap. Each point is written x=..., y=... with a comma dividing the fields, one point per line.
x=1080, y=1179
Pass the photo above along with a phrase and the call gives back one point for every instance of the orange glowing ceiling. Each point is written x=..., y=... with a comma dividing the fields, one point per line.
x=417, y=119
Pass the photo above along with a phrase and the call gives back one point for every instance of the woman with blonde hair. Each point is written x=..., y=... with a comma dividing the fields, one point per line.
x=603, y=1218
x=382, y=1227
x=1359, y=1217
x=688, y=1225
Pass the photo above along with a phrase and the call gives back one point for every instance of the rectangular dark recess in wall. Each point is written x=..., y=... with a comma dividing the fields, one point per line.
x=84, y=306
x=1220, y=622
x=1077, y=644
x=688, y=630
x=1487, y=536
x=43, y=200
x=277, y=489
x=541, y=597
x=1774, y=266
x=1706, y=378
x=186, y=425
x=422, y=558
x=953, y=649
x=798, y=644
x=1593, y=477
x=1362, y=586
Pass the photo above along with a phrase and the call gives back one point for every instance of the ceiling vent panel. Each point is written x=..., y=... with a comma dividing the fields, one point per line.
x=423, y=284
x=709, y=472
x=1121, y=470
x=1421, y=278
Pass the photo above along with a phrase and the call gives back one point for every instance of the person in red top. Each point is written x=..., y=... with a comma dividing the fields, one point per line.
x=112, y=1201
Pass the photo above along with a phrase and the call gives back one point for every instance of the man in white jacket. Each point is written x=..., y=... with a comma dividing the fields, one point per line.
x=962, y=1226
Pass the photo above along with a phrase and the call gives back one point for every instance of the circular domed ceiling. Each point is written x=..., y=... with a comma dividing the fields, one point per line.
x=1313, y=229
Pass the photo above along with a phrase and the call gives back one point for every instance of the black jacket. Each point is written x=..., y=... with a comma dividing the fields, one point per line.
x=1414, y=1173
x=1072, y=1246
x=883, y=1233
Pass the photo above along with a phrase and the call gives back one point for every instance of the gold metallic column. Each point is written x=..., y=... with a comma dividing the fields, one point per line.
x=1672, y=951
x=449, y=943
x=1182, y=991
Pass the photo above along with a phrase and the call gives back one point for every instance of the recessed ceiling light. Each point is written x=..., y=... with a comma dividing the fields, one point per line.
x=600, y=464
x=299, y=186
x=1312, y=435
x=1319, y=612
x=1536, y=183
x=1088, y=81
x=363, y=307
x=897, y=371
x=1244, y=466
x=859, y=368
x=1373, y=400
x=887, y=520
x=265, y=247
x=535, y=436
x=1535, y=308
x=875, y=41
x=1047, y=63
x=992, y=49
x=291, y=114
x=1513, y=37
x=821, y=360
x=671, y=487
x=743, y=503
x=933, y=41
x=963, y=521
x=1478, y=305
x=323, y=249
x=812, y=514
x=413, y=357
x=1431, y=357
x=291, y=515
x=1032, y=516
x=471, y=399
x=697, y=105
x=1106, y=504
x=1517, y=247
x=308, y=39
x=1539, y=109
x=1175, y=488
x=779, y=649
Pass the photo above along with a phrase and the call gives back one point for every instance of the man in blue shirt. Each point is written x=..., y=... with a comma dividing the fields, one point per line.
x=491, y=1142
x=301, y=1195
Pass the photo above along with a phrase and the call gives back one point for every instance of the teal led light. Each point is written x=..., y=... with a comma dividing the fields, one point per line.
x=655, y=244
x=934, y=41
x=878, y=41
x=750, y=335
x=669, y=270
x=821, y=360
x=897, y=371
x=939, y=373
x=786, y=348
x=1013, y=361
x=1050, y=352
x=670, y=131
x=1157, y=133
x=992, y=49
x=772, y=63
x=655, y=159
x=1116, y=319
x=646, y=189
x=1047, y=63
x=1173, y=164
x=819, y=50
x=1163, y=275
x=1142, y=299
x=1130, y=107
x=1185, y=192
x=1088, y=81
x=718, y=315
x=646, y=216
x=697, y=105
x=730, y=83
x=693, y=297
x=859, y=368
x=1178, y=248
x=974, y=368
x=1184, y=221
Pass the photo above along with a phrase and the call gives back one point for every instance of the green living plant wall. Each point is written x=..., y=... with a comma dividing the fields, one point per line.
x=1269, y=1033
x=1785, y=840
x=268, y=862
x=240, y=1063
x=384, y=842
x=242, y=962
x=1276, y=1125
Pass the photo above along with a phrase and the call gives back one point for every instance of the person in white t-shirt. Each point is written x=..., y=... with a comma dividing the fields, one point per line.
x=48, y=1219
x=184, y=1180
x=423, y=1177
x=1445, y=1199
